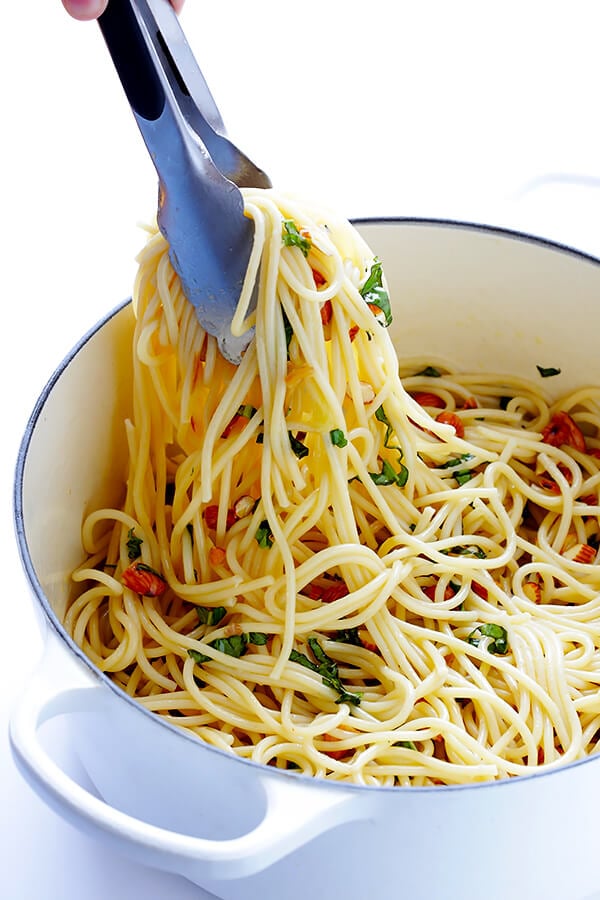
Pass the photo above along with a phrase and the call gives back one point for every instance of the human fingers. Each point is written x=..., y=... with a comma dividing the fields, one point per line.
x=91, y=9
x=85, y=9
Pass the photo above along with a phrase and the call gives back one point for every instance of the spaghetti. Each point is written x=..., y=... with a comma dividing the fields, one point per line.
x=327, y=565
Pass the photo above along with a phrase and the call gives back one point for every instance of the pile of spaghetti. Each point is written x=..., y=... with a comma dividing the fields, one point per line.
x=324, y=564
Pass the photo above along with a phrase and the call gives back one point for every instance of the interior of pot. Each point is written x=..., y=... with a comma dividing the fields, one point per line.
x=483, y=299
x=73, y=458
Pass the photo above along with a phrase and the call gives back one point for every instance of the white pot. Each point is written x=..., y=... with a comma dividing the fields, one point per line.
x=484, y=299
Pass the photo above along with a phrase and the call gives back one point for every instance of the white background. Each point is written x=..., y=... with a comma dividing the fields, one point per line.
x=467, y=110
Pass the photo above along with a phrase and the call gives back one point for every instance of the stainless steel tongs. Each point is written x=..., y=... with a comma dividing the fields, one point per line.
x=200, y=207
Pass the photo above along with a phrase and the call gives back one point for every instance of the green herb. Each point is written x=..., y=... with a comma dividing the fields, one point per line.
x=300, y=449
x=389, y=475
x=235, y=646
x=210, y=615
x=257, y=638
x=264, y=535
x=456, y=461
x=198, y=657
x=548, y=372
x=408, y=745
x=143, y=567
x=464, y=476
x=289, y=331
x=133, y=545
x=430, y=372
x=338, y=438
x=374, y=292
x=303, y=660
x=499, y=643
x=466, y=551
x=246, y=410
x=349, y=636
x=381, y=417
x=327, y=669
x=292, y=237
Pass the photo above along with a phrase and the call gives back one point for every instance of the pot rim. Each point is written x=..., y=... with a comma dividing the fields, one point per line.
x=67, y=641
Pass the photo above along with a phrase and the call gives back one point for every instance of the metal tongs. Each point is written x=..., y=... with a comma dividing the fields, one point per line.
x=200, y=206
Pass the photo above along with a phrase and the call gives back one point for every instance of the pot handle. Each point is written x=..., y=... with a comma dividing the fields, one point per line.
x=294, y=814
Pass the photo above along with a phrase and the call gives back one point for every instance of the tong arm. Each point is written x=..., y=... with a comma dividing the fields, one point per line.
x=200, y=210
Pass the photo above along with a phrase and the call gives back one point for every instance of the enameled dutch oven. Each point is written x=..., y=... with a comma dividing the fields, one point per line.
x=484, y=299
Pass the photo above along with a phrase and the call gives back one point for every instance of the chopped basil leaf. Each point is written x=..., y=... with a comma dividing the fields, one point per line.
x=374, y=292
x=246, y=410
x=264, y=536
x=464, y=476
x=143, y=567
x=327, y=669
x=381, y=417
x=456, y=461
x=338, y=438
x=257, y=638
x=210, y=615
x=300, y=449
x=133, y=545
x=430, y=372
x=499, y=643
x=386, y=476
x=548, y=372
x=389, y=475
x=349, y=636
x=408, y=745
x=466, y=551
x=292, y=237
x=289, y=331
x=235, y=646
x=303, y=660
x=198, y=657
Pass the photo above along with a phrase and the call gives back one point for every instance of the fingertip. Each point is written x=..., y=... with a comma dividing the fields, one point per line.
x=85, y=10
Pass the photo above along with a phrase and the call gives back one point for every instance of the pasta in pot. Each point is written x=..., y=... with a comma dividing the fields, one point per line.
x=325, y=564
